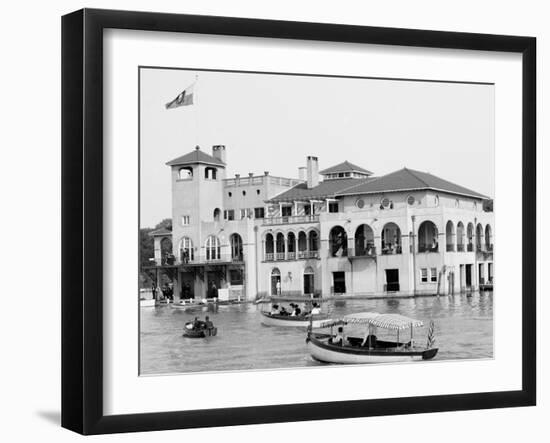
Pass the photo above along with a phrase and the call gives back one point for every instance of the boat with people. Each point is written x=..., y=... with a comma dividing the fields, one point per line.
x=367, y=348
x=200, y=329
x=294, y=317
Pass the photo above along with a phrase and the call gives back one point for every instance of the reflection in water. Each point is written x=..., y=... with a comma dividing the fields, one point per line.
x=463, y=326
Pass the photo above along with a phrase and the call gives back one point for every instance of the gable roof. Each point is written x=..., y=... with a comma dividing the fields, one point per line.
x=345, y=167
x=196, y=156
x=327, y=188
x=162, y=232
x=408, y=180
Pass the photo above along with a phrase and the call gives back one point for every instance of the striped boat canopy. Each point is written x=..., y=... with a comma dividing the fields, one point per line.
x=395, y=321
x=386, y=321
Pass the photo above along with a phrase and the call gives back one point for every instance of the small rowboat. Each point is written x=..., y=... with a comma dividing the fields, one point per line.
x=147, y=303
x=326, y=348
x=190, y=332
x=302, y=321
x=187, y=304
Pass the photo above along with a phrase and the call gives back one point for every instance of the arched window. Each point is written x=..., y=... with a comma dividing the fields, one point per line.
x=291, y=246
x=217, y=214
x=338, y=242
x=364, y=241
x=450, y=236
x=280, y=246
x=427, y=237
x=210, y=173
x=470, y=237
x=186, y=250
x=460, y=237
x=185, y=173
x=313, y=243
x=269, y=247
x=302, y=245
x=479, y=237
x=213, y=249
x=166, y=251
x=391, y=239
x=236, y=247
x=488, y=238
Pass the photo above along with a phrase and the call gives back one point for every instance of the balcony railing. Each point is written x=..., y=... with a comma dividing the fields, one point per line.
x=450, y=248
x=391, y=250
x=300, y=255
x=291, y=219
x=362, y=252
x=428, y=248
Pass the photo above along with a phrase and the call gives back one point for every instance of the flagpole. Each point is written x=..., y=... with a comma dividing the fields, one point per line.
x=196, y=103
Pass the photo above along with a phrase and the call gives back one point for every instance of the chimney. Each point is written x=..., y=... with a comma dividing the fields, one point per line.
x=312, y=171
x=302, y=173
x=218, y=151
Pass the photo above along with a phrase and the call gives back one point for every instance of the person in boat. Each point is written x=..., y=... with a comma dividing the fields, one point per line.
x=338, y=339
x=197, y=323
x=316, y=309
x=207, y=323
x=275, y=310
x=283, y=311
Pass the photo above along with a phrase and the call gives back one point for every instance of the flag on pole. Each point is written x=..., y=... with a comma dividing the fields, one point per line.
x=184, y=99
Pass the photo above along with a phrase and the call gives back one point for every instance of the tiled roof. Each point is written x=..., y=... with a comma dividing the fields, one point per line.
x=327, y=188
x=408, y=179
x=196, y=156
x=344, y=167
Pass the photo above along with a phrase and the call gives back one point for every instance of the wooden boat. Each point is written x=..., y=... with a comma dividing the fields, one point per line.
x=301, y=321
x=190, y=332
x=187, y=304
x=368, y=349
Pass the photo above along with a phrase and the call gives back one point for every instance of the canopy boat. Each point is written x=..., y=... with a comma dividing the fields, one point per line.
x=199, y=331
x=328, y=348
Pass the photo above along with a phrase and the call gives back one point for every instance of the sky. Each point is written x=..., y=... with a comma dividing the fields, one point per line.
x=272, y=122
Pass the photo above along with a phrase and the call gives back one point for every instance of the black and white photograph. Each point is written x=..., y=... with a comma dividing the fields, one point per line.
x=291, y=221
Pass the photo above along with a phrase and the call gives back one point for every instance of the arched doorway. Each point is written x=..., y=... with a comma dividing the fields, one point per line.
x=275, y=282
x=236, y=247
x=338, y=242
x=391, y=239
x=313, y=242
x=309, y=280
x=217, y=214
x=450, y=236
x=427, y=237
x=364, y=240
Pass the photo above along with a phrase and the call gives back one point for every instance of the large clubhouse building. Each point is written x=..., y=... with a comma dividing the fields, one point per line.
x=340, y=230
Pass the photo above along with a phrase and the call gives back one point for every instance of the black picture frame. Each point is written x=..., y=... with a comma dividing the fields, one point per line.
x=82, y=218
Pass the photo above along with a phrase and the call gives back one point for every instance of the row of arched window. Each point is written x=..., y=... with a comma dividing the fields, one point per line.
x=212, y=248
x=464, y=238
x=291, y=246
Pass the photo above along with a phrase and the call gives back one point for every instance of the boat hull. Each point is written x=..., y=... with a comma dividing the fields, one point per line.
x=203, y=333
x=292, y=322
x=147, y=303
x=324, y=352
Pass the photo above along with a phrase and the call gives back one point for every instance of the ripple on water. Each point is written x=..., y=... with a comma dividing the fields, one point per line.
x=463, y=325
